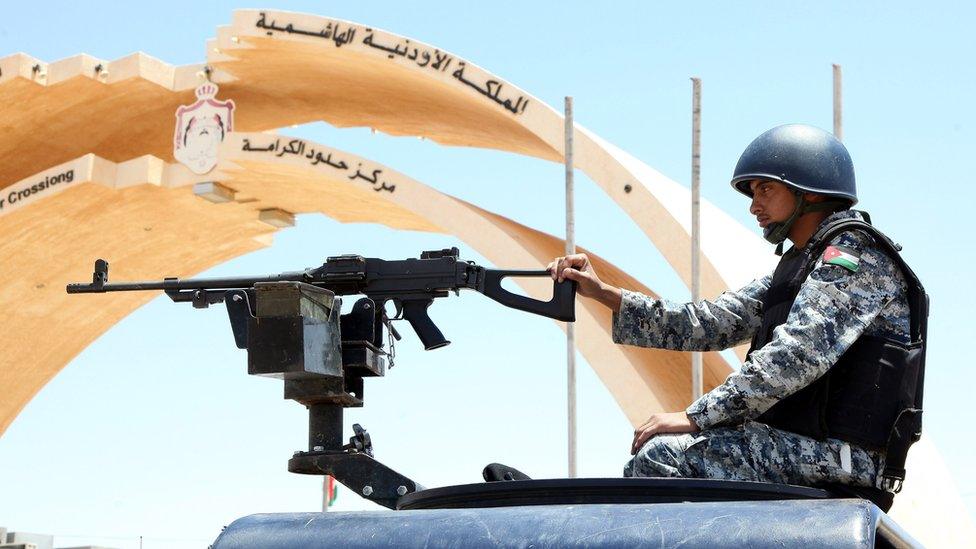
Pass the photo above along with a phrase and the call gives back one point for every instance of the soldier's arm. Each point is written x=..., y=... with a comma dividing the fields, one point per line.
x=833, y=308
x=703, y=326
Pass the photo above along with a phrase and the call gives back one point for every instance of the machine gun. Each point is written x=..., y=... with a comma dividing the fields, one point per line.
x=292, y=327
x=411, y=284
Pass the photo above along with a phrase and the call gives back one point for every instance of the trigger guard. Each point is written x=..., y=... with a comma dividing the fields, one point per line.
x=398, y=309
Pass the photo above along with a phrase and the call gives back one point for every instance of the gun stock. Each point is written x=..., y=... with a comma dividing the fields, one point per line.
x=562, y=306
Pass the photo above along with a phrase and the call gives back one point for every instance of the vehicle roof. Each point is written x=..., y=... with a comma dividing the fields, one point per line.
x=807, y=523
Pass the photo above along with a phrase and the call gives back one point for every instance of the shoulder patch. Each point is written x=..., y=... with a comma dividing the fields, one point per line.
x=843, y=256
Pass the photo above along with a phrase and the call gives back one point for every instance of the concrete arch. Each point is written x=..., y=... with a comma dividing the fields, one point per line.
x=376, y=87
x=287, y=68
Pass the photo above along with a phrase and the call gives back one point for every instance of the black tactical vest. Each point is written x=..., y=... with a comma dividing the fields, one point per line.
x=872, y=396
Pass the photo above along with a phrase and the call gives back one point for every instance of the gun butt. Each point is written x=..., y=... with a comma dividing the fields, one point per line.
x=562, y=306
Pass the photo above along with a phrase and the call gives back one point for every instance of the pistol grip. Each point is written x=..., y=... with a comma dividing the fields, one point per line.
x=415, y=311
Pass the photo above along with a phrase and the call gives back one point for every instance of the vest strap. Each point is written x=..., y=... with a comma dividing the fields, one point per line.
x=908, y=424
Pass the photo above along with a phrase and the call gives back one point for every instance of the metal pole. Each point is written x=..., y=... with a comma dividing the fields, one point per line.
x=838, y=106
x=696, y=358
x=570, y=327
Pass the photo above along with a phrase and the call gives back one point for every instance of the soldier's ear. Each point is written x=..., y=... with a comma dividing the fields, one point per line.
x=812, y=197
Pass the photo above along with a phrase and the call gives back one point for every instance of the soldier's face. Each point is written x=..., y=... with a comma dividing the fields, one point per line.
x=772, y=201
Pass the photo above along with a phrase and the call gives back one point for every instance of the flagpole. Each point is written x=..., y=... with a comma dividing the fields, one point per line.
x=838, y=104
x=696, y=357
x=570, y=327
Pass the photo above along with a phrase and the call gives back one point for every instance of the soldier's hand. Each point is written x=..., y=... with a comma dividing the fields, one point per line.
x=675, y=422
x=578, y=267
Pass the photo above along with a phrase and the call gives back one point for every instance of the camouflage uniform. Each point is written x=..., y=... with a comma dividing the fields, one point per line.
x=834, y=307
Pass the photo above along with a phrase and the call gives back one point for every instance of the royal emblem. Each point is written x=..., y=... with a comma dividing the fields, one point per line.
x=200, y=128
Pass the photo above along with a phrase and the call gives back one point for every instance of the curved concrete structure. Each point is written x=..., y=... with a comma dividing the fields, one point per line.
x=285, y=68
x=281, y=73
x=363, y=81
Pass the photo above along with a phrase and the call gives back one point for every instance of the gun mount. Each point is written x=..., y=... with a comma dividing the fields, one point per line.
x=293, y=329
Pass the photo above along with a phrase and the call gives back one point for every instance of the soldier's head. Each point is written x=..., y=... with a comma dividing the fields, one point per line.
x=774, y=202
x=794, y=172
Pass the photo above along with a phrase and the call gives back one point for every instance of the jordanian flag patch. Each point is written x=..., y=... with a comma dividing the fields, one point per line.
x=839, y=255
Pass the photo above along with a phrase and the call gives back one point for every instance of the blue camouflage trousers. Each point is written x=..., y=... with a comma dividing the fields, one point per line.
x=756, y=452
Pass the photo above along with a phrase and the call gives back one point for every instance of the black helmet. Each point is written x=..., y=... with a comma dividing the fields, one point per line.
x=803, y=158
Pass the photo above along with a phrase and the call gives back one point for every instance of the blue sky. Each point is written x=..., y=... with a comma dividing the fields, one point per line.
x=155, y=429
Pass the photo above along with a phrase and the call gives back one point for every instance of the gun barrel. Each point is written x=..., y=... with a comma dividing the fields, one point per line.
x=216, y=283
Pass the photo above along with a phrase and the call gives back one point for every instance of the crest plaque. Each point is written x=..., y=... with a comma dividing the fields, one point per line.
x=201, y=127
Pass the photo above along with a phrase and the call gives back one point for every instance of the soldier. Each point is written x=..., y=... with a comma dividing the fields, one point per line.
x=836, y=358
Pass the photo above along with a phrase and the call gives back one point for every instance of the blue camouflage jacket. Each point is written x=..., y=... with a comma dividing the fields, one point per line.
x=835, y=306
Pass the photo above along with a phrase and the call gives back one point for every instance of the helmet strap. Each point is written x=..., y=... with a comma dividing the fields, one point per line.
x=776, y=233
